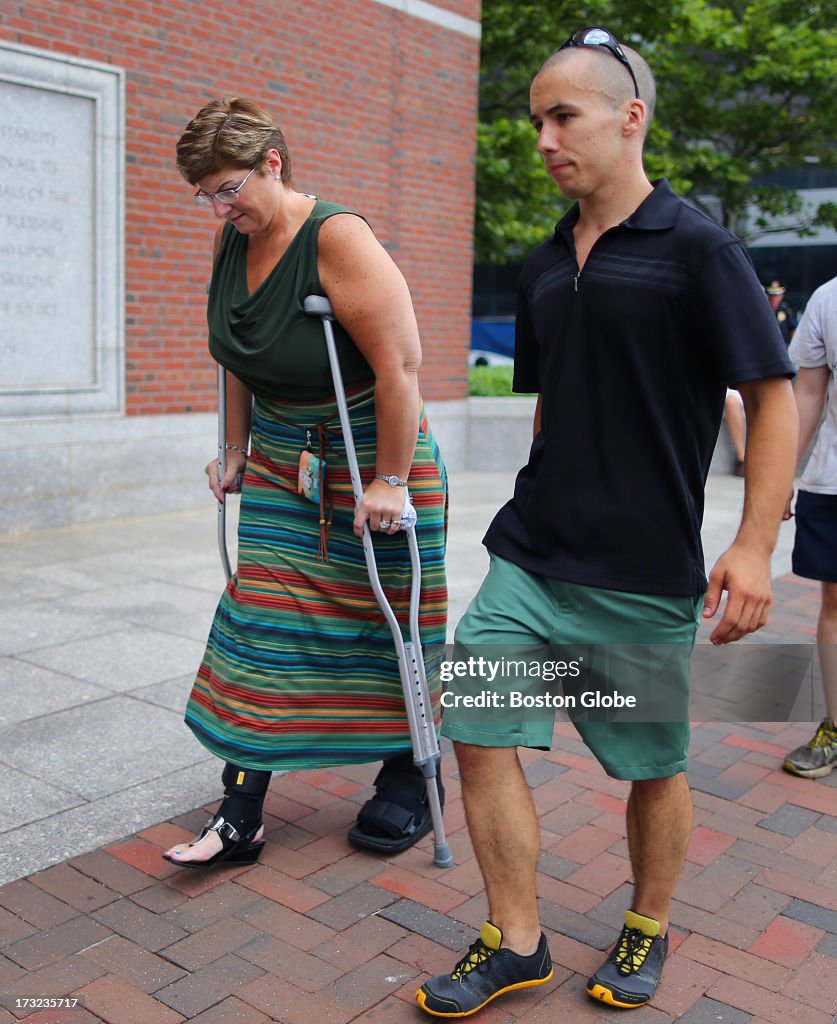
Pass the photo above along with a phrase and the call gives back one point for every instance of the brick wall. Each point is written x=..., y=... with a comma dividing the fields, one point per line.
x=379, y=111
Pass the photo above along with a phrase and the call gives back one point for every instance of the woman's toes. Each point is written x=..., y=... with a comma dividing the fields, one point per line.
x=202, y=850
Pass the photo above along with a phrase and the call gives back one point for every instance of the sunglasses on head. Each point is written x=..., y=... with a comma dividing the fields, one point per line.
x=604, y=40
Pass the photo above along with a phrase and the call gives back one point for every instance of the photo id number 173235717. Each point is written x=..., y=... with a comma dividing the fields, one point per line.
x=46, y=1002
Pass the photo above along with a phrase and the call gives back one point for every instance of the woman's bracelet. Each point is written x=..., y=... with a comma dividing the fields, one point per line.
x=237, y=448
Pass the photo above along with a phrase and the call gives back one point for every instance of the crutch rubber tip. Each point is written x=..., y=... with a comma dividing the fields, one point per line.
x=442, y=857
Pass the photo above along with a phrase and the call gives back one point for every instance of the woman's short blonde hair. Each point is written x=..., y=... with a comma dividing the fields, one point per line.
x=229, y=132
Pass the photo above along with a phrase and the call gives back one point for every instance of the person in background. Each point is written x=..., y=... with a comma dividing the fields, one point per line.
x=300, y=669
x=814, y=350
x=734, y=406
x=737, y=426
x=785, y=316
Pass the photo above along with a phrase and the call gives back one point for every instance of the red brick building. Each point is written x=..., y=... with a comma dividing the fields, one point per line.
x=378, y=102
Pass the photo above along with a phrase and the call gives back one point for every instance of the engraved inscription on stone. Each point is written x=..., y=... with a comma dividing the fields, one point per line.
x=47, y=238
x=62, y=204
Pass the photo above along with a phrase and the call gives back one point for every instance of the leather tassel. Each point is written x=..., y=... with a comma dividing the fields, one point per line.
x=325, y=523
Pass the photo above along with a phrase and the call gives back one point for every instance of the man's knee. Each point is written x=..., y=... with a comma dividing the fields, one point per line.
x=651, y=789
x=475, y=760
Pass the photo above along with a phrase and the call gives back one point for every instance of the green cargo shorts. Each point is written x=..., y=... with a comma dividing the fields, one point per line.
x=616, y=663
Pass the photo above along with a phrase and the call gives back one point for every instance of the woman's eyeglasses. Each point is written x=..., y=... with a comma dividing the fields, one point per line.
x=600, y=37
x=227, y=196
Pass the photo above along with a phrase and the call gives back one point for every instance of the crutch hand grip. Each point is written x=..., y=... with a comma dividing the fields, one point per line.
x=408, y=516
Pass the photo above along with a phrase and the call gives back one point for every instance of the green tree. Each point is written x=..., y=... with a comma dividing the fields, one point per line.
x=744, y=90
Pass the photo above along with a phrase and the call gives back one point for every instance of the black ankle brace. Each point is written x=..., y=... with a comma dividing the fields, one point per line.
x=244, y=793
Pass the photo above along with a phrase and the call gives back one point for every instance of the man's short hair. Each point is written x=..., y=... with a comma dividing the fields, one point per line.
x=612, y=79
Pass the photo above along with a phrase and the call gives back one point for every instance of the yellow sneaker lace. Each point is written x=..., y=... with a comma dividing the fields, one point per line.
x=825, y=736
x=477, y=954
x=633, y=949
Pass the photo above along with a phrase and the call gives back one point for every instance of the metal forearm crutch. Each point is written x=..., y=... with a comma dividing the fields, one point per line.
x=222, y=465
x=425, y=743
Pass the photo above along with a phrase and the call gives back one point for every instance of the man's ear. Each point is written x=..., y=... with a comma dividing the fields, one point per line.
x=635, y=117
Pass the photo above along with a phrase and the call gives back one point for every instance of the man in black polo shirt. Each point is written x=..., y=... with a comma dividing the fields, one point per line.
x=632, y=320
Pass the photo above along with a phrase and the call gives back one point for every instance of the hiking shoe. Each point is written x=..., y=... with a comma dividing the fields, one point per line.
x=484, y=972
x=818, y=756
x=630, y=975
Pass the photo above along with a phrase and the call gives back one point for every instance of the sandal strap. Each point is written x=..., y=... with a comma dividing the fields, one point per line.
x=228, y=832
x=224, y=829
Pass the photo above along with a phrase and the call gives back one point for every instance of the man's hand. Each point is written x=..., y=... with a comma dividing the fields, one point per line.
x=745, y=575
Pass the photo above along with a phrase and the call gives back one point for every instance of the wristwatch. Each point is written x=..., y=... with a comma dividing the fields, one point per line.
x=393, y=481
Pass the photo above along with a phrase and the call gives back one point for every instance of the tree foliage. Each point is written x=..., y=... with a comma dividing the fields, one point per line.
x=743, y=90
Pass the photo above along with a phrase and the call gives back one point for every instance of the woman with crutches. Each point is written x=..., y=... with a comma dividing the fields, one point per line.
x=300, y=669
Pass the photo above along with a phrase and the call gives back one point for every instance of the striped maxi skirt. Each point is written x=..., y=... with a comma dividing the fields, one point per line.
x=300, y=669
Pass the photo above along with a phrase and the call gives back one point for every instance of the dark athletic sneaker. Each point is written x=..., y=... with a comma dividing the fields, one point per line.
x=484, y=972
x=630, y=975
x=817, y=757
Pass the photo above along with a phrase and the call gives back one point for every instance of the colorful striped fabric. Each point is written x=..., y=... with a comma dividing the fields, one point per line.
x=300, y=668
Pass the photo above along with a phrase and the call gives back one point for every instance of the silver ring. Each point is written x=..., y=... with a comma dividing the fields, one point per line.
x=385, y=524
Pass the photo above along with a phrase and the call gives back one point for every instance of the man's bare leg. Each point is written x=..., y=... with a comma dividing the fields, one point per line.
x=506, y=838
x=827, y=647
x=659, y=821
x=816, y=758
x=511, y=952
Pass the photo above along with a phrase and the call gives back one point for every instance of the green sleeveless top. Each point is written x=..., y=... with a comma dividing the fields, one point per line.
x=266, y=339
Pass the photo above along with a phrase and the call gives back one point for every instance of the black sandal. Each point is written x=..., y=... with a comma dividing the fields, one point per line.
x=237, y=849
x=399, y=814
x=244, y=792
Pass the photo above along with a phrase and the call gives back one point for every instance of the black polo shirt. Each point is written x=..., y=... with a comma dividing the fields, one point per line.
x=632, y=356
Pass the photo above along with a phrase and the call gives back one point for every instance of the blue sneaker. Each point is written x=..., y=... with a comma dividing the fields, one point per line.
x=630, y=975
x=485, y=972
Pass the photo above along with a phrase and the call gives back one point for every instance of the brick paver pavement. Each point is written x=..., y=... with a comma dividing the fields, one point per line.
x=319, y=933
